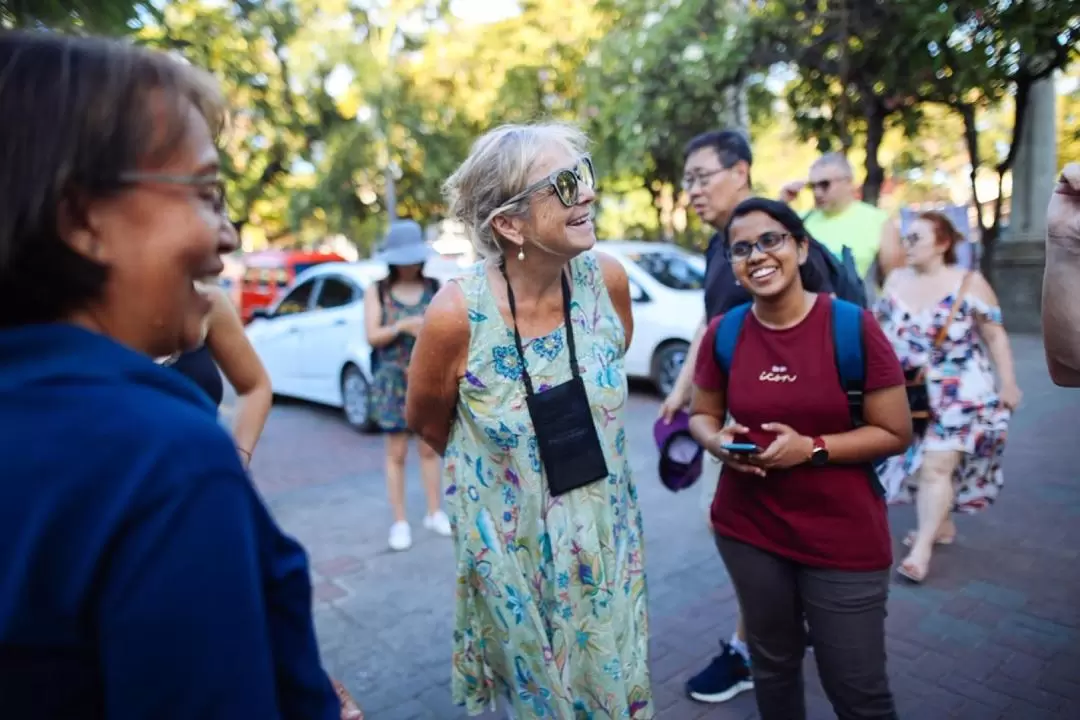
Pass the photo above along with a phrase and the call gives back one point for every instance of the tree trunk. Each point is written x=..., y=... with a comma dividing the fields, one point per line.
x=875, y=174
x=988, y=249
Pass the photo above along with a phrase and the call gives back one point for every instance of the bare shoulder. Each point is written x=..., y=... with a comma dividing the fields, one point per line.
x=447, y=317
x=898, y=279
x=614, y=273
x=223, y=311
x=979, y=286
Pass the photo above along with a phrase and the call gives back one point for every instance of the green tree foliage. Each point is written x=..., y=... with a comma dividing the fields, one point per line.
x=663, y=73
x=981, y=54
x=273, y=60
x=98, y=16
x=327, y=94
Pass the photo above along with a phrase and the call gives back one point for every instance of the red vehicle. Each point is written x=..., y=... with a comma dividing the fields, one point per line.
x=269, y=272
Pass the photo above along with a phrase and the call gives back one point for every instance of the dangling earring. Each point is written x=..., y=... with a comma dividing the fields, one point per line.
x=521, y=254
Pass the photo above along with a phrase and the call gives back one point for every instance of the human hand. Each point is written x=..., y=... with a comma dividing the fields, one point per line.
x=736, y=461
x=791, y=190
x=788, y=449
x=1063, y=213
x=672, y=404
x=1010, y=395
x=410, y=325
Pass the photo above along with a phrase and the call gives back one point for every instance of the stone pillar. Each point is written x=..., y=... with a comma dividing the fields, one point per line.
x=1021, y=254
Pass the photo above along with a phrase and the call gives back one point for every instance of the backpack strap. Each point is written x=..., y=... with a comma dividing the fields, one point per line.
x=727, y=335
x=847, y=328
x=847, y=331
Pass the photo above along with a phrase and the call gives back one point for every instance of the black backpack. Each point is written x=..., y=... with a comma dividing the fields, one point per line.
x=843, y=274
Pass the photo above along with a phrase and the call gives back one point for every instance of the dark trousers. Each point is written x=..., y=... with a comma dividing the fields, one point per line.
x=845, y=612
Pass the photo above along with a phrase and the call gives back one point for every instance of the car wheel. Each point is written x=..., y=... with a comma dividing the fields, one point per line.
x=355, y=398
x=666, y=365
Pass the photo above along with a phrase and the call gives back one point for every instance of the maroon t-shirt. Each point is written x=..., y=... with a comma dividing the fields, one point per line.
x=828, y=516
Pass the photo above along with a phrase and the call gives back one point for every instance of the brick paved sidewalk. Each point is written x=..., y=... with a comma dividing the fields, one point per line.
x=993, y=633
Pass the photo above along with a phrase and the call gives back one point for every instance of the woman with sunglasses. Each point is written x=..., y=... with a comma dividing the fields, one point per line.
x=799, y=516
x=946, y=327
x=517, y=380
x=143, y=577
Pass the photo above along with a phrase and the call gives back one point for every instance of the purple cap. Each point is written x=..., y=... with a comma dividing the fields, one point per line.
x=680, y=454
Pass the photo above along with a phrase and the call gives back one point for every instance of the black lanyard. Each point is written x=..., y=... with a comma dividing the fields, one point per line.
x=517, y=335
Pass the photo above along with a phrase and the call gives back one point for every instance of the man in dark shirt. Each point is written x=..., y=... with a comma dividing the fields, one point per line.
x=716, y=176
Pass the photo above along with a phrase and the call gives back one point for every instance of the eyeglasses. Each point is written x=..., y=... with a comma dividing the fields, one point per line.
x=210, y=187
x=701, y=178
x=912, y=239
x=766, y=242
x=566, y=183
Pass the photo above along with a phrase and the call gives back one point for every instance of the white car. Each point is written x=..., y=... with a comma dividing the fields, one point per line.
x=314, y=346
x=666, y=287
x=312, y=339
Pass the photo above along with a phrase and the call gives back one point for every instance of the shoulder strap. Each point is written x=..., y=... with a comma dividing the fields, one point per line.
x=727, y=335
x=957, y=300
x=943, y=333
x=847, y=328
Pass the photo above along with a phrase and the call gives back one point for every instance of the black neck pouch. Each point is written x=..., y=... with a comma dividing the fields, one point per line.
x=565, y=432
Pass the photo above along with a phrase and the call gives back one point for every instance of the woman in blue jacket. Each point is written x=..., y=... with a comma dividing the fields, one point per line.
x=140, y=574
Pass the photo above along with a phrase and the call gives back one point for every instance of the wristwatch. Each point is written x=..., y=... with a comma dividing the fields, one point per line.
x=820, y=454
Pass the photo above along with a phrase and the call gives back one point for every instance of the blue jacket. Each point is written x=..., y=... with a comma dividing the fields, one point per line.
x=140, y=574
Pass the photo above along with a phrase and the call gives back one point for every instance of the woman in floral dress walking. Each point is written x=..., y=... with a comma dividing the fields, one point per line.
x=518, y=379
x=945, y=320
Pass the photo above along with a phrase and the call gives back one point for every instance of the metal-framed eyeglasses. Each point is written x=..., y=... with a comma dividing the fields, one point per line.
x=210, y=187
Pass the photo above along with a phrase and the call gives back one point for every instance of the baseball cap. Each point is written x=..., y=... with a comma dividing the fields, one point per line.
x=680, y=454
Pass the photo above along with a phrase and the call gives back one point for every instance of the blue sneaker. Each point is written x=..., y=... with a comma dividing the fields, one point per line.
x=726, y=676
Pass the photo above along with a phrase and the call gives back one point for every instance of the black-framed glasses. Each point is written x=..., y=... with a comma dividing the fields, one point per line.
x=210, y=187
x=566, y=183
x=701, y=178
x=766, y=242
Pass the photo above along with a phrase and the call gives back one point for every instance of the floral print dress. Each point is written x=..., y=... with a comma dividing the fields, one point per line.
x=966, y=413
x=390, y=363
x=551, y=608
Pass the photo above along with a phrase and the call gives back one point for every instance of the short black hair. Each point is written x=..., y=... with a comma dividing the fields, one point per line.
x=782, y=213
x=78, y=113
x=730, y=146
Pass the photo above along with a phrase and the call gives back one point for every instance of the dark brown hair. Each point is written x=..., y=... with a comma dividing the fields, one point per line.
x=944, y=233
x=77, y=113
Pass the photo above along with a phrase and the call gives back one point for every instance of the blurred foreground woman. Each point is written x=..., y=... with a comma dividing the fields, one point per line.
x=140, y=574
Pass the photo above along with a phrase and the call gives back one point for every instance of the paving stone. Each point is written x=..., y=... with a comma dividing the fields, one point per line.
x=992, y=633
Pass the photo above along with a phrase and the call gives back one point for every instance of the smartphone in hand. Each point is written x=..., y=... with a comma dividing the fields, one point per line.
x=741, y=448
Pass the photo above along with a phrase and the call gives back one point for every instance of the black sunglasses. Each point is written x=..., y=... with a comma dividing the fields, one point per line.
x=210, y=187
x=566, y=183
x=767, y=242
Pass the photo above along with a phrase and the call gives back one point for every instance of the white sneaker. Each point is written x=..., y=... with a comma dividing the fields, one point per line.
x=400, y=536
x=439, y=523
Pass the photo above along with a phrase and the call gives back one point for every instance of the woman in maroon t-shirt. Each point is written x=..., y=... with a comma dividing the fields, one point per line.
x=801, y=527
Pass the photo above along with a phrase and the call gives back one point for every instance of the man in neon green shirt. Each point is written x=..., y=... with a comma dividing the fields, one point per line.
x=839, y=218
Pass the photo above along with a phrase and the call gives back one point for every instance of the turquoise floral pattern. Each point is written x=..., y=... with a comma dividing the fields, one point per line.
x=551, y=595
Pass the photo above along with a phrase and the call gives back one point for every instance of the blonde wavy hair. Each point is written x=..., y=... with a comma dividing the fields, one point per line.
x=498, y=168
